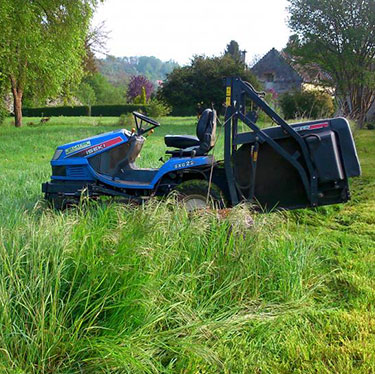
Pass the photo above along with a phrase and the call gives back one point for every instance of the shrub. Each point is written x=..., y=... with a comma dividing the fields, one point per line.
x=158, y=109
x=122, y=119
x=310, y=104
x=126, y=120
x=142, y=98
x=272, y=100
x=371, y=126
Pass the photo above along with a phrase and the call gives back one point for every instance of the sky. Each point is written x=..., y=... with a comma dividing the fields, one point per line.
x=177, y=30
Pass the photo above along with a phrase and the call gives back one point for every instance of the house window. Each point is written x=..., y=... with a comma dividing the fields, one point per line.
x=269, y=77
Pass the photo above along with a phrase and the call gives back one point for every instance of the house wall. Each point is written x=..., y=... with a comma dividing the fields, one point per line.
x=281, y=86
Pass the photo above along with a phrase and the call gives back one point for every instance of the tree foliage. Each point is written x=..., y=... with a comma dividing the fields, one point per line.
x=201, y=83
x=118, y=70
x=136, y=85
x=233, y=50
x=42, y=45
x=105, y=92
x=338, y=35
x=95, y=42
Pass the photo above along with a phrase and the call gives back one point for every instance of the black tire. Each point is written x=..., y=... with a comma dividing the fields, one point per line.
x=58, y=202
x=198, y=190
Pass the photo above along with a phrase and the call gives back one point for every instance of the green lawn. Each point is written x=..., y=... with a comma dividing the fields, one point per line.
x=119, y=289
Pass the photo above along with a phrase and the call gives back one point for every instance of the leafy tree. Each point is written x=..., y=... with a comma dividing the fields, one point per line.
x=42, y=46
x=95, y=42
x=136, y=84
x=105, y=92
x=86, y=95
x=201, y=83
x=233, y=50
x=339, y=36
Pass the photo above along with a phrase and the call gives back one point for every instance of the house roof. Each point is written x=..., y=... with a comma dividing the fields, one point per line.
x=311, y=73
x=283, y=66
x=274, y=62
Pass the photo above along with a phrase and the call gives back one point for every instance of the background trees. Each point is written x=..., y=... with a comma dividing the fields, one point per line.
x=201, y=83
x=42, y=44
x=118, y=69
x=338, y=35
x=104, y=92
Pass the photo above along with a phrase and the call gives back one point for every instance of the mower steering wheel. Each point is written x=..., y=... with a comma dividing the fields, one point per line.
x=139, y=119
x=149, y=120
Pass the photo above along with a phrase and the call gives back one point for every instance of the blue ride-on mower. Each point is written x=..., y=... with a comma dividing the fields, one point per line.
x=281, y=167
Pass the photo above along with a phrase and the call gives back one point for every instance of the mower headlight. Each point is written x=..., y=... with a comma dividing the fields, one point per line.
x=57, y=154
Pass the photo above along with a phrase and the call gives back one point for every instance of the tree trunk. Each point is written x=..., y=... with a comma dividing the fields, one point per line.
x=17, y=93
x=18, y=109
x=356, y=104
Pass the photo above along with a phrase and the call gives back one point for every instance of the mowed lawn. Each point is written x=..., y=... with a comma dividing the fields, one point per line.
x=119, y=289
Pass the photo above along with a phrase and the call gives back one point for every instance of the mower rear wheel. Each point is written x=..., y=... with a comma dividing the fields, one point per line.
x=198, y=194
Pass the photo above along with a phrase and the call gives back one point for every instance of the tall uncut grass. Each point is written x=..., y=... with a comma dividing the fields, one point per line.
x=109, y=288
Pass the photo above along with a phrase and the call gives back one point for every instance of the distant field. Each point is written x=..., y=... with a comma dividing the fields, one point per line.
x=118, y=289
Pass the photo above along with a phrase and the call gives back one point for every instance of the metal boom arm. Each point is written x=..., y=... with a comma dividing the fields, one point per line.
x=237, y=91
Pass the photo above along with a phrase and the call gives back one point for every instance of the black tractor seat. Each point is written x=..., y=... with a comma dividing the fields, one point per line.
x=181, y=141
x=200, y=145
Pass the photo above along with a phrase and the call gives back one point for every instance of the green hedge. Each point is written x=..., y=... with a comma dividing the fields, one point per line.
x=77, y=111
x=116, y=110
x=67, y=111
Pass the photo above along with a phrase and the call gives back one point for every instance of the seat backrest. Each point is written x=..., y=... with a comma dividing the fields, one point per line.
x=206, y=129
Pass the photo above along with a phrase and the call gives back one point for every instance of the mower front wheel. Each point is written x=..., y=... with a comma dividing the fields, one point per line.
x=55, y=201
x=60, y=202
x=199, y=194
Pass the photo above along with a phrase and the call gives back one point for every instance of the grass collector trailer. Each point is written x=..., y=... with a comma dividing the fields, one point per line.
x=285, y=166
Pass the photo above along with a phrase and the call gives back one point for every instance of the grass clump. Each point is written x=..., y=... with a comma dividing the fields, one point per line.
x=107, y=288
x=142, y=289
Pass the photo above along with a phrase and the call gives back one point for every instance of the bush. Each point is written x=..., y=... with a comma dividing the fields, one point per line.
x=142, y=98
x=309, y=104
x=158, y=109
x=77, y=111
x=371, y=126
x=126, y=120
